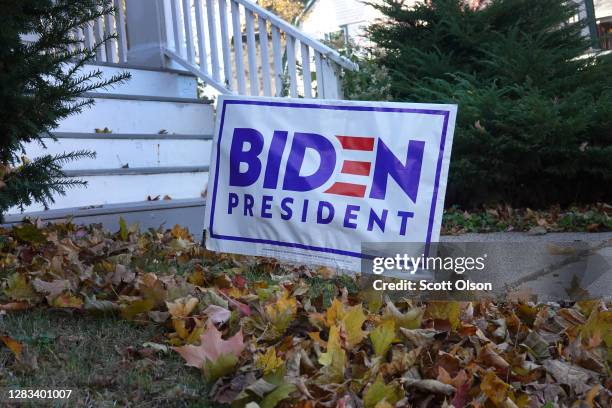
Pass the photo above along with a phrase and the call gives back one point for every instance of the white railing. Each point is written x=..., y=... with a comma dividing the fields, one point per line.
x=261, y=52
x=114, y=50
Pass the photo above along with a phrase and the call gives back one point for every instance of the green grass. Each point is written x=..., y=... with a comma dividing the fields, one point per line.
x=90, y=356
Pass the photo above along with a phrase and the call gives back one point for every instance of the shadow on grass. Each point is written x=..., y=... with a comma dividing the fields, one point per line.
x=98, y=359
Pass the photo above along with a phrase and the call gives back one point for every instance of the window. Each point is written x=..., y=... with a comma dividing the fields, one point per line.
x=605, y=35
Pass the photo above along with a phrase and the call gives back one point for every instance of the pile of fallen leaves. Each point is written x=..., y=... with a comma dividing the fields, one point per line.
x=269, y=334
x=589, y=218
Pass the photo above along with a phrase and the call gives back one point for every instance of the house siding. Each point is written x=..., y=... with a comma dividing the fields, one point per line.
x=327, y=16
x=603, y=9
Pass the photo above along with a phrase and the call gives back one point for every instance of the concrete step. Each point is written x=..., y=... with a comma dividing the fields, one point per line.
x=142, y=114
x=115, y=150
x=147, y=81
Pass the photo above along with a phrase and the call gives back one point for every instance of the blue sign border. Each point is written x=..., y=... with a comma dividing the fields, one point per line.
x=443, y=113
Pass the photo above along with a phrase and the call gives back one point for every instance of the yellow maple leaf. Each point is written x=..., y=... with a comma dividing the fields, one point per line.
x=188, y=333
x=182, y=307
x=179, y=232
x=494, y=388
x=382, y=337
x=352, y=322
x=349, y=320
x=373, y=298
x=268, y=362
x=380, y=394
x=18, y=288
x=334, y=313
x=450, y=311
x=197, y=278
x=599, y=324
x=281, y=312
x=334, y=359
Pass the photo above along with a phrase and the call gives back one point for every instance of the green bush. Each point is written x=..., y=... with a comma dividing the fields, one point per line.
x=535, y=110
x=41, y=81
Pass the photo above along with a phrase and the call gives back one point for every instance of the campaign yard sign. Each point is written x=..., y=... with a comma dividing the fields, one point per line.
x=309, y=181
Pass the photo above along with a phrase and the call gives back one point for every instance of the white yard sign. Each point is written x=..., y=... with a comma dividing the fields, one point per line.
x=311, y=180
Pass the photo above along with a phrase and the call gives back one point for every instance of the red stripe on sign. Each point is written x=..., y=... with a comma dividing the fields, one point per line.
x=347, y=189
x=356, y=143
x=358, y=168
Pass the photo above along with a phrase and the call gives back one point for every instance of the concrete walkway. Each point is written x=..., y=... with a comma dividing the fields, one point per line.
x=553, y=266
x=524, y=236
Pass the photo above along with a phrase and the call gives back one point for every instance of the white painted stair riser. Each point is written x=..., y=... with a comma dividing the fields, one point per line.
x=133, y=153
x=115, y=189
x=146, y=82
x=135, y=116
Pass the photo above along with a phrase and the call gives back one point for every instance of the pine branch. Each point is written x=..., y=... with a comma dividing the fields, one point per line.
x=42, y=83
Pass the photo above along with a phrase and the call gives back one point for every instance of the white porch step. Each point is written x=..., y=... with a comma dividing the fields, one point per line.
x=142, y=114
x=147, y=214
x=115, y=186
x=115, y=151
x=159, y=145
x=148, y=81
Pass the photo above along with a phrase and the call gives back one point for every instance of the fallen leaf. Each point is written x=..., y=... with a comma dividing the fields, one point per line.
x=592, y=394
x=494, y=388
x=352, y=323
x=214, y=355
x=490, y=357
x=152, y=289
x=13, y=345
x=281, y=312
x=67, y=301
x=182, y=307
x=380, y=392
x=433, y=386
x=420, y=337
x=446, y=311
x=122, y=274
x=280, y=393
x=410, y=320
x=536, y=346
x=14, y=306
x=29, y=233
x=268, y=362
x=130, y=311
x=217, y=314
x=576, y=377
x=334, y=359
x=179, y=232
x=94, y=305
x=156, y=346
x=598, y=325
x=18, y=288
x=382, y=337
x=350, y=320
x=53, y=288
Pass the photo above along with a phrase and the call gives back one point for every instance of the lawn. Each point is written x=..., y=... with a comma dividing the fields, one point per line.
x=101, y=359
